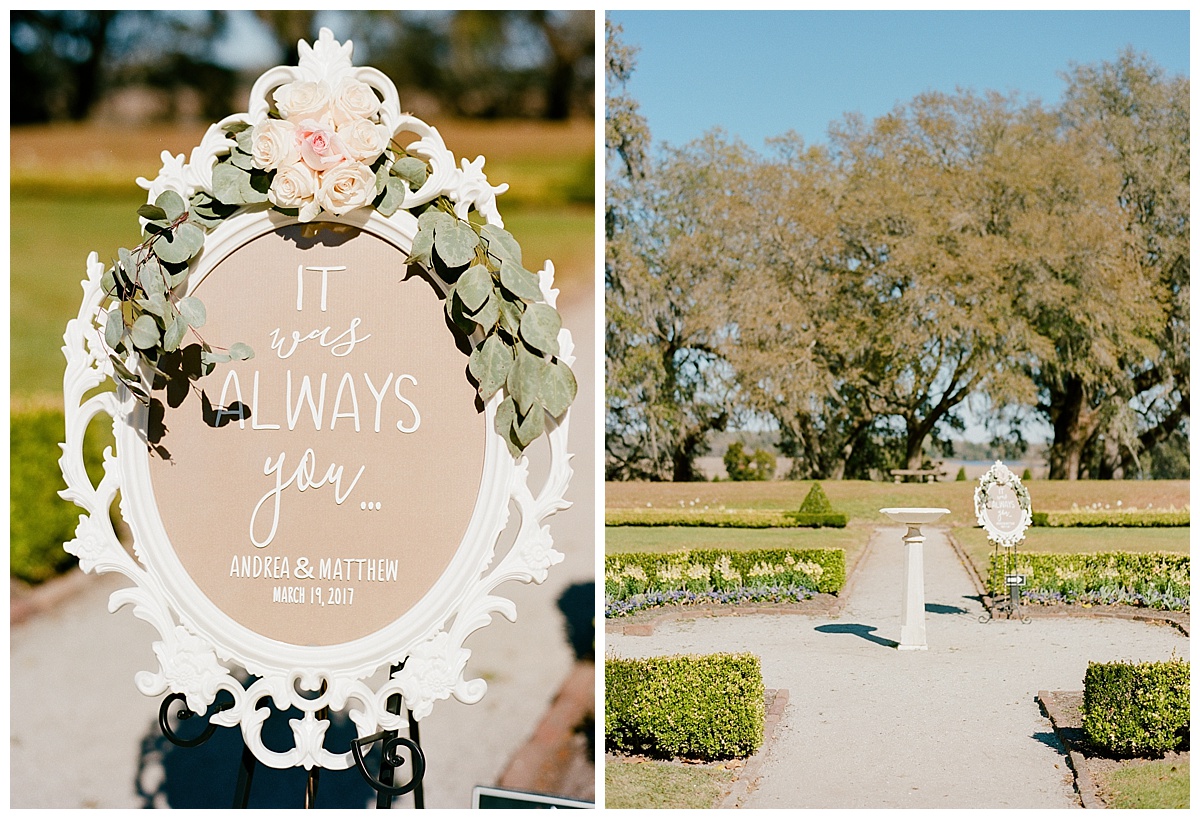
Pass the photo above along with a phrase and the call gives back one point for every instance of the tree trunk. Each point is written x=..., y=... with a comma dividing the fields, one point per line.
x=1074, y=422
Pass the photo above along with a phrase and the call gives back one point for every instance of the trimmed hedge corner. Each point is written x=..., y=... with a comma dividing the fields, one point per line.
x=1137, y=709
x=40, y=521
x=698, y=707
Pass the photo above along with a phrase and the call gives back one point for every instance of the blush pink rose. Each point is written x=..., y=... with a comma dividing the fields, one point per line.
x=320, y=146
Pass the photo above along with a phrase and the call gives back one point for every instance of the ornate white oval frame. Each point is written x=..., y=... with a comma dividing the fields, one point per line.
x=201, y=648
x=1001, y=475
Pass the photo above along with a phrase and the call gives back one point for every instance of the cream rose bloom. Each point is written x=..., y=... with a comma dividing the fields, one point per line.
x=298, y=101
x=346, y=187
x=295, y=186
x=353, y=100
x=273, y=144
x=364, y=140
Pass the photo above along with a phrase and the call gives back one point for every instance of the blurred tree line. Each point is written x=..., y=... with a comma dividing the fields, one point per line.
x=963, y=247
x=63, y=64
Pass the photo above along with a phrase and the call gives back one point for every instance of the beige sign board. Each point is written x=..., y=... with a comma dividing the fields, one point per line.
x=332, y=508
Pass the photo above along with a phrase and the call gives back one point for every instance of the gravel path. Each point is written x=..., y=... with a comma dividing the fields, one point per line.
x=955, y=726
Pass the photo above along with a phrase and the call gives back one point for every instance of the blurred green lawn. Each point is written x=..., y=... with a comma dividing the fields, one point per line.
x=60, y=213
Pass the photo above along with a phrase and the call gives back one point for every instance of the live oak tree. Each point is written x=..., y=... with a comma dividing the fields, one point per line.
x=666, y=386
x=1108, y=410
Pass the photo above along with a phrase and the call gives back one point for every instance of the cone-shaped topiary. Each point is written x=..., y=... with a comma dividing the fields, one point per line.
x=962, y=474
x=816, y=502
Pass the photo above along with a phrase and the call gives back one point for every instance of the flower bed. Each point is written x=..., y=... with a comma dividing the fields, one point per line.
x=1158, y=580
x=633, y=582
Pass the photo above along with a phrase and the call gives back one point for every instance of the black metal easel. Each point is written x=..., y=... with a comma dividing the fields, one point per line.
x=390, y=761
x=1013, y=580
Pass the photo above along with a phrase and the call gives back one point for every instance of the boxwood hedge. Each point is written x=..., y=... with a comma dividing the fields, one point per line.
x=39, y=520
x=1139, y=709
x=1133, y=518
x=697, y=707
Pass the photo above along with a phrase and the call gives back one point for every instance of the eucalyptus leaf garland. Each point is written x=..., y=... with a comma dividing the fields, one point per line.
x=491, y=293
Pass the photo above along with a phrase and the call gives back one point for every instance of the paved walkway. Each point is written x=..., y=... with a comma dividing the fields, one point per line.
x=955, y=726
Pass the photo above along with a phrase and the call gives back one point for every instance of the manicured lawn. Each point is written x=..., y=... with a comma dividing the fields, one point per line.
x=646, y=784
x=862, y=500
x=1153, y=784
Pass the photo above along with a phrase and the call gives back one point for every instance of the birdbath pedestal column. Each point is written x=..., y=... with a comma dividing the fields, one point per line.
x=912, y=611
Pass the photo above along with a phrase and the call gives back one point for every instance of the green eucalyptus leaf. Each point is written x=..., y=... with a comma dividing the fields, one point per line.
x=455, y=243
x=192, y=310
x=172, y=205
x=145, y=333
x=241, y=351
x=531, y=426
x=175, y=277
x=422, y=248
x=539, y=328
x=114, y=328
x=433, y=219
x=501, y=243
x=558, y=388
x=487, y=315
x=108, y=281
x=156, y=304
x=411, y=170
x=519, y=281
x=227, y=183
x=510, y=315
x=474, y=287
x=152, y=212
x=242, y=160
x=173, y=335
x=506, y=418
x=524, y=380
x=490, y=363
x=394, y=192
x=256, y=186
x=183, y=244
x=211, y=358
x=245, y=139
x=125, y=257
x=150, y=277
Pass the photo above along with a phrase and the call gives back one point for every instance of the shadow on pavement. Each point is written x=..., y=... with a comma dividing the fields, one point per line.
x=858, y=630
x=1049, y=739
x=578, y=605
x=939, y=608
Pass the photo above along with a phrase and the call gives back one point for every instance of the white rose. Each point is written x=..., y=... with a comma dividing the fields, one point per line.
x=273, y=144
x=346, y=187
x=354, y=100
x=364, y=140
x=302, y=100
x=295, y=186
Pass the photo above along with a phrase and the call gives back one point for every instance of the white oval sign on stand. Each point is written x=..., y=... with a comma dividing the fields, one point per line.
x=333, y=505
x=1002, y=506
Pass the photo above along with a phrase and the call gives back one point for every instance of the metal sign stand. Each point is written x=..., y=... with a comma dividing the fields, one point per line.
x=383, y=785
x=1013, y=580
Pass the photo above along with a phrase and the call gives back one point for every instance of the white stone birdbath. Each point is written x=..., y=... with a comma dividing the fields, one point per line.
x=912, y=611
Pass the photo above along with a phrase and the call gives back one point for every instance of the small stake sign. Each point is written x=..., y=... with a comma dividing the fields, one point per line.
x=329, y=362
x=1002, y=506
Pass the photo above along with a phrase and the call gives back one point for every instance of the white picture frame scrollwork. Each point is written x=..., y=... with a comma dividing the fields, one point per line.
x=200, y=649
x=1001, y=475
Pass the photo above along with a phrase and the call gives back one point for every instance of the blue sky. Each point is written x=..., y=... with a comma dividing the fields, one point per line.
x=760, y=74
